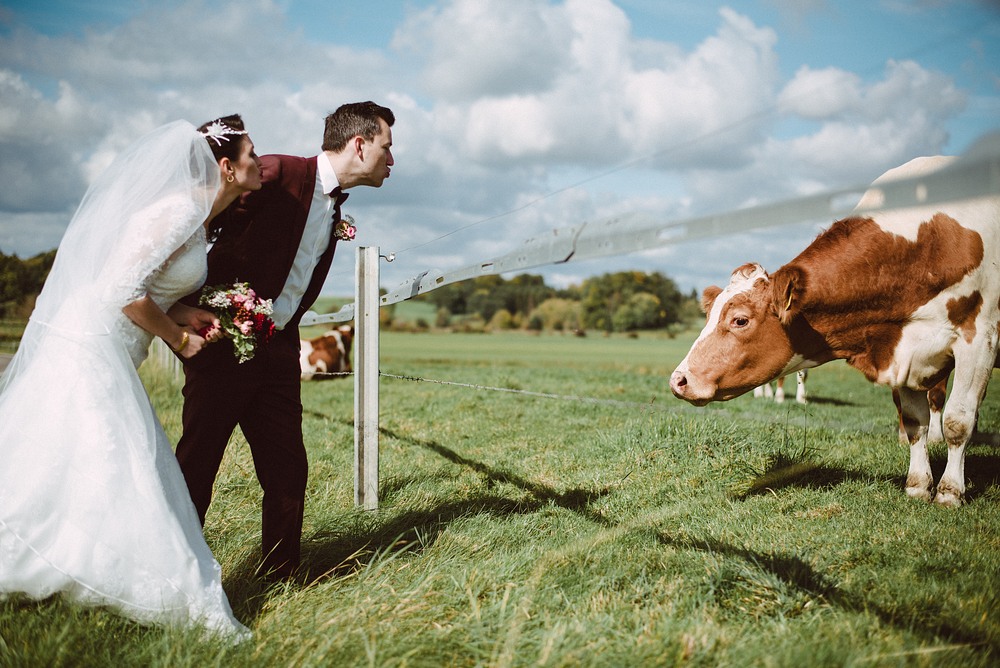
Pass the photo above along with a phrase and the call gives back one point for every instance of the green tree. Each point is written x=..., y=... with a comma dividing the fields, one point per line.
x=22, y=280
x=558, y=313
x=640, y=311
x=603, y=296
x=442, y=318
x=485, y=295
x=502, y=319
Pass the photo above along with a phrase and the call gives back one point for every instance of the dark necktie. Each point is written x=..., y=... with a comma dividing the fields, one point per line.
x=338, y=195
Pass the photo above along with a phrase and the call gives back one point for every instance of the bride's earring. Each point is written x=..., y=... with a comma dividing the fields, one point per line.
x=230, y=178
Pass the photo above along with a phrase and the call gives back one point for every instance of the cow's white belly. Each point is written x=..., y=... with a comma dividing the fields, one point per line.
x=924, y=349
x=925, y=346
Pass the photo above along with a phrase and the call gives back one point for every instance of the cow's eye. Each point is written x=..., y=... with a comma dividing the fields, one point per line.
x=741, y=321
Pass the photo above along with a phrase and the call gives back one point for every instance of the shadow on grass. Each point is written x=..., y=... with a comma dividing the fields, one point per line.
x=577, y=499
x=982, y=471
x=985, y=438
x=332, y=553
x=335, y=553
x=830, y=401
x=931, y=624
x=796, y=470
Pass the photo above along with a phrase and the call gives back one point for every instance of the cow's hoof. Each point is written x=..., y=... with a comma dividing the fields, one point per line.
x=919, y=493
x=920, y=486
x=949, y=498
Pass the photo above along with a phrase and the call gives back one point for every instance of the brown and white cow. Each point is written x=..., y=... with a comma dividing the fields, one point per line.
x=327, y=354
x=904, y=296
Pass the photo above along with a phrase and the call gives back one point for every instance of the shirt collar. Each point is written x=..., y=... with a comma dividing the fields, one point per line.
x=327, y=177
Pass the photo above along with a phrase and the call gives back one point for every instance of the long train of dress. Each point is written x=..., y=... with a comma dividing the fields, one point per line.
x=92, y=502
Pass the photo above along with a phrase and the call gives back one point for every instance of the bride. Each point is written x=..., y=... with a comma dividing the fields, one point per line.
x=92, y=502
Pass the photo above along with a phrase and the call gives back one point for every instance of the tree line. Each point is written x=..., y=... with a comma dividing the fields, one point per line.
x=624, y=301
x=21, y=281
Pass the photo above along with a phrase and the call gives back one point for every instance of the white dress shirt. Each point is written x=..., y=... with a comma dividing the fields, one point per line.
x=315, y=239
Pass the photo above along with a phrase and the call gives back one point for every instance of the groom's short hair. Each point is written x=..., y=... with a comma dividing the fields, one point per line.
x=351, y=120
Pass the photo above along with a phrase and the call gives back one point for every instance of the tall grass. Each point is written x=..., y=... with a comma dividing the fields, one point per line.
x=594, y=522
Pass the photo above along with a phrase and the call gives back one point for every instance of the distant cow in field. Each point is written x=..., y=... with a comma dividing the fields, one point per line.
x=327, y=354
x=778, y=394
x=904, y=296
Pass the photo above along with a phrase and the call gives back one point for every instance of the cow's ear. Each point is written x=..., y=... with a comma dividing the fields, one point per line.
x=787, y=285
x=708, y=298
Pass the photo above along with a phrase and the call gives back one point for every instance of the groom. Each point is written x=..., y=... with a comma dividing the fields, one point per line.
x=279, y=239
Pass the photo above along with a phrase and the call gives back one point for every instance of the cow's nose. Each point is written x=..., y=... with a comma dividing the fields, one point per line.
x=678, y=383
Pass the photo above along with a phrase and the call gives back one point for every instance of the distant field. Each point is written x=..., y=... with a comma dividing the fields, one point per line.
x=545, y=501
x=10, y=335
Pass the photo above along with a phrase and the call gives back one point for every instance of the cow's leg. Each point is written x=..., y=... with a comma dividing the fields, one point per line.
x=935, y=397
x=903, y=439
x=763, y=391
x=800, y=386
x=973, y=368
x=913, y=417
x=779, y=390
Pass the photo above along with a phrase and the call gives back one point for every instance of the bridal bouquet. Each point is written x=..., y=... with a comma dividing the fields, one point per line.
x=242, y=315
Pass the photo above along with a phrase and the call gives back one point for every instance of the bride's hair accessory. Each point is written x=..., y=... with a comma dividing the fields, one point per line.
x=218, y=130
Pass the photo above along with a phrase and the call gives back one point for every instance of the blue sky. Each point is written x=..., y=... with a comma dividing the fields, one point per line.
x=513, y=117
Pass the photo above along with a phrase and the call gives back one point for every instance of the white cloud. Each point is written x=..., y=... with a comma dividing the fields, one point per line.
x=859, y=131
x=608, y=99
x=474, y=48
x=512, y=118
x=820, y=94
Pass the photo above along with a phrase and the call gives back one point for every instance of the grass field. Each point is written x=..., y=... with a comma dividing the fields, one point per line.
x=585, y=517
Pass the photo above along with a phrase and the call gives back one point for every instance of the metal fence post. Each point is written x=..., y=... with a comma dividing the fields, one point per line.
x=366, y=377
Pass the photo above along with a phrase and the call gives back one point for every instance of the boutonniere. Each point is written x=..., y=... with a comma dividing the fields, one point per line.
x=345, y=229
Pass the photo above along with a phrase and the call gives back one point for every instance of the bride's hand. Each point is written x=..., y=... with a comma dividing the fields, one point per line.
x=195, y=344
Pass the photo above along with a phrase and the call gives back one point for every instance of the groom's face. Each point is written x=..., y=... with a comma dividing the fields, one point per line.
x=377, y=156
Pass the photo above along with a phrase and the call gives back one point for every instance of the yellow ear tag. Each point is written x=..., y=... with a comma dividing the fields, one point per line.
x=789, y=304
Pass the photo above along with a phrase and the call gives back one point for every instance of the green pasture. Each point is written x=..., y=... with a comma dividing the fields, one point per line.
x=545, y=501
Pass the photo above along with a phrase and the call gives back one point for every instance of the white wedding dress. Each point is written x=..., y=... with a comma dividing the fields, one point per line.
x=93, y=505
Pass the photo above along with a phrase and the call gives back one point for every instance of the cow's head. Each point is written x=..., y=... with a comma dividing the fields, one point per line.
x=745, y=342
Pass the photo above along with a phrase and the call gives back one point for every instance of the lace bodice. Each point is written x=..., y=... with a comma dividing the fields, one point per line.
x=183, y=273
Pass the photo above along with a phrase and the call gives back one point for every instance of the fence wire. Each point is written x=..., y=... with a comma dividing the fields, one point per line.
x=651, y=406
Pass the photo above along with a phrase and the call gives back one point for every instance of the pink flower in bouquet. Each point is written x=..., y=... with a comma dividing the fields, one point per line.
x=243, y=317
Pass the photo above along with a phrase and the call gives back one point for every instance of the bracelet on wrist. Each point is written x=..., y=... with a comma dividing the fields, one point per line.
x=185, y=339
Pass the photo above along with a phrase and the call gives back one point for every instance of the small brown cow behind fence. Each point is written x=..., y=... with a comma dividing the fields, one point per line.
x=327, y=356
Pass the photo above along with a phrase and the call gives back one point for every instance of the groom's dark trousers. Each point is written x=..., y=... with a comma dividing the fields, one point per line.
x=261, y=233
